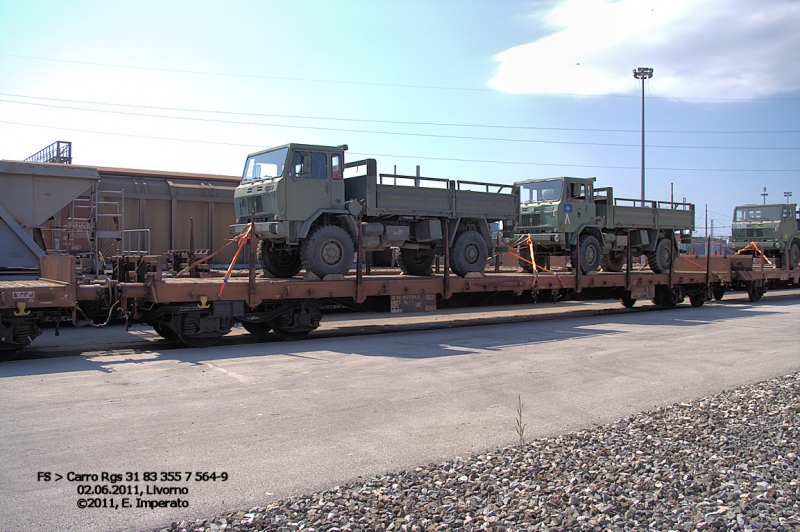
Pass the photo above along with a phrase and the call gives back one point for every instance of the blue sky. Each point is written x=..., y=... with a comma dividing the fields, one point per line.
x=493, y=91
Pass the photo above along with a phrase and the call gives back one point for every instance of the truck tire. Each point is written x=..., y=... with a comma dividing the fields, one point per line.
x=794, y=256
x=612, y=261
x=468, y=254
x=415, y=261
x=659, y=260
x=591, y=254
x=328, y=250
x=280, y=261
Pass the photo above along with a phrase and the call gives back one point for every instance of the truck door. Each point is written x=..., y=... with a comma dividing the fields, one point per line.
x=308, y=188
x=578, y=206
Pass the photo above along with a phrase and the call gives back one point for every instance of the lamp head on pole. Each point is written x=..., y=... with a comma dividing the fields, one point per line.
x=643, y=73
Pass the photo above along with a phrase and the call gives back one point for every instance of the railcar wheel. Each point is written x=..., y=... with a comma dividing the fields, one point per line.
x=591, y=254
x=661, y=259
x=256, y=328
x=755, y=290
x=665, y=297
x=7, y=354
x=165, y=332
x=288, y=335
x=612, y=261
x=280, y=261
x=200, y=342
x=199, y=329
x=468, y=254
x=329, y=250
x=697, y=300
x=415, y=261
x=626, y=300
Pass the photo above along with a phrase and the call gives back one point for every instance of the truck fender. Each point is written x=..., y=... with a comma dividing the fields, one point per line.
x=481, y=225
x=587, y=229
x=343, y=214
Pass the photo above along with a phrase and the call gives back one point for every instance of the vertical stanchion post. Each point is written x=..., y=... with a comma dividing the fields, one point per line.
x=671, y=258
x=359, y=276
x=251, y=266
x=447, y=259
x=708, y=263
x=628, y=261
x=577, y=266
x=192, y=270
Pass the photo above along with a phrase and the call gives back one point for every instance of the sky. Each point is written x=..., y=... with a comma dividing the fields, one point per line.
x=496, y=91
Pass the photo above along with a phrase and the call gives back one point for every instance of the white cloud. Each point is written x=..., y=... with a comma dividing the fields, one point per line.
x=718, y=49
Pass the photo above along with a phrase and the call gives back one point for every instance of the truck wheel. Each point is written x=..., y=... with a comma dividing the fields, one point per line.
x=794, y=256
x=468, y=254
x=612, y=261
x=415, y=261
x=591, y=254
x=329, y=250
x=697, y=300
x=659, y=260
x=280, y=261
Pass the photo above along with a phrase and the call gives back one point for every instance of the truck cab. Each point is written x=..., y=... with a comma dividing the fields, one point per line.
x=286, y=186
x=553, y=209
x=773, y=228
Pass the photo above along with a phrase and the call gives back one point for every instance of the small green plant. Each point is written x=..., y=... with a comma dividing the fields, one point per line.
x=520, y=428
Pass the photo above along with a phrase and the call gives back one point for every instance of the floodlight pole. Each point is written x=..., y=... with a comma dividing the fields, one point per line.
x=788, y=195
x=643, y=73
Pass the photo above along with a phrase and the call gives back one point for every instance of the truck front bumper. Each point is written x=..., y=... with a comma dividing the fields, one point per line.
x=265, y=230
x=764, y=245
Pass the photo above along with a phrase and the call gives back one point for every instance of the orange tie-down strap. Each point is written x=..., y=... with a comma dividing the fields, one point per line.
x=243, y=238
x=753, y=246
x=528, y=243
x=206, y=258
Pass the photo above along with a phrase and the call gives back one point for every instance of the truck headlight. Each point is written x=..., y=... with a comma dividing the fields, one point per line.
x=556, y=238
x=777, y=244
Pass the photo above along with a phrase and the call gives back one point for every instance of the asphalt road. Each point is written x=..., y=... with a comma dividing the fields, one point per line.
x=290, y=418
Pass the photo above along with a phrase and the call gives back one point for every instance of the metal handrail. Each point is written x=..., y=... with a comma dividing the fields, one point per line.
x=141, y=235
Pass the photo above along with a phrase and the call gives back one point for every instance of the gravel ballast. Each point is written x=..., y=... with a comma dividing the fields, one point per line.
x=726, y=462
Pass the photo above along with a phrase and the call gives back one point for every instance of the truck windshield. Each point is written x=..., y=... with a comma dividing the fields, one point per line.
x=263, y=165
x=548, y=190
x=755, y=214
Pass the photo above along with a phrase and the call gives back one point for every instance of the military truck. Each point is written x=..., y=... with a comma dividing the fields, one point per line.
x=564, y=214
x=308, y=214
x=773, y=228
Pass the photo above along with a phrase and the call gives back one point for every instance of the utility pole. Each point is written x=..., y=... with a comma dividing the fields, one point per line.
x=643, y=73
x=764, y=195
x=708, y=245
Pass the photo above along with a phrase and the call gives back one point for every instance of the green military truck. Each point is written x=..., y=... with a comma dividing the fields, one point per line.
x=773, y=228
x=308, y=214
x=563, y=214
